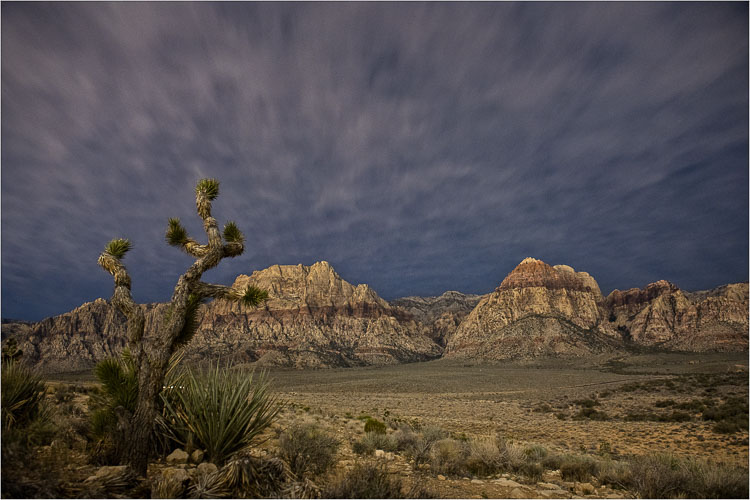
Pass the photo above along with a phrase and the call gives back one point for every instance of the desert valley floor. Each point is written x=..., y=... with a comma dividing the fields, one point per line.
x=603, y=406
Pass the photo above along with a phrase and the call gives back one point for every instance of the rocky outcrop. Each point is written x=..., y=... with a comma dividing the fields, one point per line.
x=537, y=310
x=313, y=318
x=662, y=315
x=440, y=315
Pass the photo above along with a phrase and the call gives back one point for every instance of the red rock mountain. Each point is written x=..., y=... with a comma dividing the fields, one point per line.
x=538, y=310
x=663, y=315
x=541, y=310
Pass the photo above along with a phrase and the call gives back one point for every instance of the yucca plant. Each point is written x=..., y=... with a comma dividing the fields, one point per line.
x=22, y=394
x=218, y=410
x=117, y=400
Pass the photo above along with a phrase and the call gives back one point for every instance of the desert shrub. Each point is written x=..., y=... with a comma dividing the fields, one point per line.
x=664, y=403
x=307, y=449
x=405, y=438
x=614, y=473
x=711, y=480
x=542, y=408
x=447, y=456
x=418, y=451
x=586, y=403
x=535, y=453
x=552, y=461
x=483, y=457
x=531, y=470
x=370, y=480
x=22, y=395
x=591, y=414
x=675, y=416
x=578, y=468
x=663, y=475
x=372, y=441
x=730, y=416
x=657, y=475
x=247, y=476
x=374, y=425
x=433, y=433
x=218, y=410
x=512, y=454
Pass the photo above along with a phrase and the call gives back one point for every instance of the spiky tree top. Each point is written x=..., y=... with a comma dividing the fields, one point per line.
x=189, y=292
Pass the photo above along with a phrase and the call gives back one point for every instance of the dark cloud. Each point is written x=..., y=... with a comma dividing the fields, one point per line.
x=417, y=147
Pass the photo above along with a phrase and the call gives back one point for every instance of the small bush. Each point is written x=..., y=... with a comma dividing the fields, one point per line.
x=368, y=480
x=532, y=471
x=447, y=456
x=405, y=439
x=375, y=425
x=591, y=414
x=542, y=408
x=374, y=441
x=578, y=468
x=433, y=433
x=586, y=403
x=512, y=454
x=484, y=457
x=614, y=473
x=552, y=461
x=535, y=453
x=307, y=449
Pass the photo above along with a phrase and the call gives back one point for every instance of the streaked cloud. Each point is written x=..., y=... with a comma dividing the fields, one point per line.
x=417, y=147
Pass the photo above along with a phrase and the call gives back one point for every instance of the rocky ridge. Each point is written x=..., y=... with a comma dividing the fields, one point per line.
x=662, y=315
x=313, y=318
x=440, y=315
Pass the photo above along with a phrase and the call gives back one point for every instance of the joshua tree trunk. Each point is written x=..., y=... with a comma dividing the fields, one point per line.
x=151, y=350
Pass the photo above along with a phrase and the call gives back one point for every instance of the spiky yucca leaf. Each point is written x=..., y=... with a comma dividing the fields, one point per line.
x=253, y=296
x=22, y=394
x=209, y=188
x=119, y=381
x=118, y=247
x=176, y=234
x=192, y=321
x=232, y=233
x=222, y=410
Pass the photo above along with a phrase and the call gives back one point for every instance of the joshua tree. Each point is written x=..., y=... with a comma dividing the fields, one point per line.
x=151, y=348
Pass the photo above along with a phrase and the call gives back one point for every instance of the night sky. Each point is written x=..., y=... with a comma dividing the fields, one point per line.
x=418, y=148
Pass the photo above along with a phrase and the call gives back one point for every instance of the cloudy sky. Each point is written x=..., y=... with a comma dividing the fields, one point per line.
x=416, y=147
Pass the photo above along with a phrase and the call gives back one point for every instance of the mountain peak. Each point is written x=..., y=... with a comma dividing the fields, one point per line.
x=532, y=272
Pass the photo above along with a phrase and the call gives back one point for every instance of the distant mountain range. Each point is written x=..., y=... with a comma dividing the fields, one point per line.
x=314, y=318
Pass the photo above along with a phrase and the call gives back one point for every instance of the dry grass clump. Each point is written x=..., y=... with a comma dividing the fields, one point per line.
x=372, y=480
x=372, y=441
x=663, y=475
x=448, y=456
x=308, y=449
x=484, y=457
x=578, y=467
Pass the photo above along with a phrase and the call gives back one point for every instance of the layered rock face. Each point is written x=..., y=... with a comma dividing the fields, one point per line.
x=75, y=340
x=439, y=315
x=537, y=310
x=313, y=318
x=662, y=315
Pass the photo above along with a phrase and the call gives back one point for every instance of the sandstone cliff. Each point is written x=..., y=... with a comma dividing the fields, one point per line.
x=440, y=315
x=537, y=310
x=663, y=315
x=313, y=318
